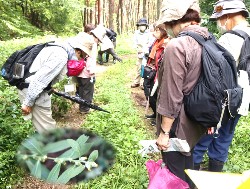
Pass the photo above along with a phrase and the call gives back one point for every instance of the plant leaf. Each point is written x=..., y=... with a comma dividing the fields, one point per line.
x=93, y=156
x=70, y=173
x=37, y=170
x=85, y=148
x=45, y=172
x=33, y=145
x=30, y=163
x=82, y=139
x=54, y=173
x=74, y=145
x=56, y=146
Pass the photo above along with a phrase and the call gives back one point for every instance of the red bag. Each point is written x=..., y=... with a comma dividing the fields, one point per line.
x=75, y=67
x=162, y=178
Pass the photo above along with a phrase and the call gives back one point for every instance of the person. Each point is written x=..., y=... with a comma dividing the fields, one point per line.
x=142, y=43
x=178, y=75
x=50, y=66
x=112, y=36
x=86, y=79
x=230, y=15
x=106, y=46
x=154, y=58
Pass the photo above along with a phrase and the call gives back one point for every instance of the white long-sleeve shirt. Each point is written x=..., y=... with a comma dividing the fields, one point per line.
x=50, y=66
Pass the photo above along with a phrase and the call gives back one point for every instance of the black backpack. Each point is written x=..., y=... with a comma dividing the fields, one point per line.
x=244, y=63
x=16, y=68
x=216, y=95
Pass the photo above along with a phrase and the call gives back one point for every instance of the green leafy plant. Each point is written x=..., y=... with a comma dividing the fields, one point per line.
x=67, y=156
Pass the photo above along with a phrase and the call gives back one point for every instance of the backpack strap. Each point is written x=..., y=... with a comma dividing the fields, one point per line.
x=199, y=38
x=239, y=33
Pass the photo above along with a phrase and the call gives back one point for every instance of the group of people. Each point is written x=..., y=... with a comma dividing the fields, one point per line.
x=176, y=62
x=50, y=66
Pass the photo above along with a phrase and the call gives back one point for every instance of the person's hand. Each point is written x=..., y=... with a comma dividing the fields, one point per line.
x=26, y=109
x=163, y=142
x=210, y=130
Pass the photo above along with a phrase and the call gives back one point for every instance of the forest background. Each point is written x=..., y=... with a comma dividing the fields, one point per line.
x=25, y=22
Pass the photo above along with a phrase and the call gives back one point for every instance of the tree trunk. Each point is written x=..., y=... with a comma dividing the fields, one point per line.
x=158, y=10
x=100, y=11
x=144, y=10
x=118, y=19
x=111, y=13
x=121, y=8
x=138, y=9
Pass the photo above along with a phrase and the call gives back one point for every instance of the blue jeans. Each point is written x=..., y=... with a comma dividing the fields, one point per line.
x=217, y=147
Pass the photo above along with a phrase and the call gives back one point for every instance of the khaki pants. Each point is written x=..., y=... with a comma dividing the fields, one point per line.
x=138, y=78
x=41, y=115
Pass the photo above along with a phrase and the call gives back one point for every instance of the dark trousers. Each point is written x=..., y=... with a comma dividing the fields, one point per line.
x=86, y=91
x=148, y=86
x=176, y=162
x=216, y=148
x=108, y=51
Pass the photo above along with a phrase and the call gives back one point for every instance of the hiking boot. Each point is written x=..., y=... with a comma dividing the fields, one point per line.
x=134, y=85
x=152, y=116
x=215, y=166
x=153, y=122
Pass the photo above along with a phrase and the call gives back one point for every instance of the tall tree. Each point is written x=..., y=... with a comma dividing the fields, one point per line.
x=100, y=11
x=111, y=13
x=158, y=10
x=144, y=9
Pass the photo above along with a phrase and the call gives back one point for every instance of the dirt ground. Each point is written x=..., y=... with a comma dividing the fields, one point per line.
x=75, y=119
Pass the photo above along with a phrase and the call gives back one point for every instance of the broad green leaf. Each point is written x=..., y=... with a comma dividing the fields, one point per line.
x=56, y=146
x=70, y=173
x=37, y=170
x=30, y=163
x=74, y=145
x=68, y=154
x=73, y=154
x=82, y=139
x=93, y=156
x=54, y=173
x=33, y=145
x=45, y=172
x=85, y=148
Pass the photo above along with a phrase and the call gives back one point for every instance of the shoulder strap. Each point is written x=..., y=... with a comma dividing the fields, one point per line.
x=239, y=33
x=199, y=38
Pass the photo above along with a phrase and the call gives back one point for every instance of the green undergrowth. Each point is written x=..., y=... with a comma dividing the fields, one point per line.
x=123, y=127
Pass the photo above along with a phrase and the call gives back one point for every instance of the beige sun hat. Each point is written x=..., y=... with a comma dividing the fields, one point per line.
x=82, y=41
x=176, y=9
x=99, y=32
x=224, y=7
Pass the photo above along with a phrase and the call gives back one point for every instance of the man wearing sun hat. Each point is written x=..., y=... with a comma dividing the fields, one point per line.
x=49, y=67
x=230, y=15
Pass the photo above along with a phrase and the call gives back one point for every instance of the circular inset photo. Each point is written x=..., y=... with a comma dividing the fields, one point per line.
x=65, y=155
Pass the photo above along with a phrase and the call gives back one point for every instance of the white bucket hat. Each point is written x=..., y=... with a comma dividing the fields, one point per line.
x=224, y=7
x=99, y=32
x=176, y=9
x=82, y=41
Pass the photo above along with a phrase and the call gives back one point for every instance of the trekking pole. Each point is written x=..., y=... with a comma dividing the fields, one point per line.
x=78, y=100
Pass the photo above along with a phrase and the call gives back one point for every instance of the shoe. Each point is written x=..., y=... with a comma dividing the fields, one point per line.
x=152, y=116
x=135, y=85
x=153, y=122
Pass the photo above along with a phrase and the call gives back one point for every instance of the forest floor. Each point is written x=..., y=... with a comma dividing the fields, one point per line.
x=75, y=119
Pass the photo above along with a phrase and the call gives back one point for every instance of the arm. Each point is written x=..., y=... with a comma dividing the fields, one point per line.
x=162, y=140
